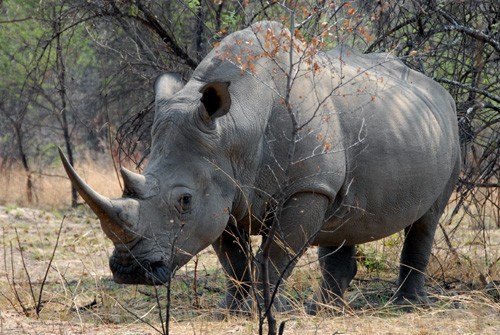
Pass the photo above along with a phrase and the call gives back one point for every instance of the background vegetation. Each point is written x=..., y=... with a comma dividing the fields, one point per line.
x=79, y=74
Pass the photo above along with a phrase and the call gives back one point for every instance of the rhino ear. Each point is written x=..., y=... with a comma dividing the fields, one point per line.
x=167, y=85
x=216, y=99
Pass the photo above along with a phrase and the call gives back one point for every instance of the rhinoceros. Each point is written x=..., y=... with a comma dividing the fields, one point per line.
x=333, y=149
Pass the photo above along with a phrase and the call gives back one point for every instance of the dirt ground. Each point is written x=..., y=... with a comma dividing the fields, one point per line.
x=79, y=297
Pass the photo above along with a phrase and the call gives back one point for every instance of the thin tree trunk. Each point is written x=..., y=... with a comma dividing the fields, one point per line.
x=24, y=161
x=63, y=113
x=200, y=48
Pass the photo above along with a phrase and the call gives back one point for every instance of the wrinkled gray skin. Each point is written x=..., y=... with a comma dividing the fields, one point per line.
x=377, y=152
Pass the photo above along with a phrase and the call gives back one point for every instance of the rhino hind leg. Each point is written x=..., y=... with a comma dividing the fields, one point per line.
x=338, y=267
x=414, y=259
x=230, y=251
x=415, y=256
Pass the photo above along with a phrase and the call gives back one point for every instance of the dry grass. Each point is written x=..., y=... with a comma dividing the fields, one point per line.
x=80, y=298
x=51, y=187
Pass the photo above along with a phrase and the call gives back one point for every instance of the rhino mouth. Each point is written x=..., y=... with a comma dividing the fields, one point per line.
x=134, y=272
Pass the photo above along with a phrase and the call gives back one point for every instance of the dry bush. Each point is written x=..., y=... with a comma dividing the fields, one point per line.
x=466, y=252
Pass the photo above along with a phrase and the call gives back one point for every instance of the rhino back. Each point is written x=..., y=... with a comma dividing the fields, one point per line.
x=401, y=138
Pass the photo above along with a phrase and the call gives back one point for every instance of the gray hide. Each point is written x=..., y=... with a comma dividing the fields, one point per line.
x=375, y=152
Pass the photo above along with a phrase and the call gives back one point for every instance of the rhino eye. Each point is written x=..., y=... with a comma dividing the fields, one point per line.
x=185, y=202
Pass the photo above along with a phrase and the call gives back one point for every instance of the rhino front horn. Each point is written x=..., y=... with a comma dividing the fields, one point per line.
x=135, y=184
x=108, y=211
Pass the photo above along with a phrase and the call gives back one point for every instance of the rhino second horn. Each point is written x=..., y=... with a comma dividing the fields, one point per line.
x=135, y=184
x=106, y=210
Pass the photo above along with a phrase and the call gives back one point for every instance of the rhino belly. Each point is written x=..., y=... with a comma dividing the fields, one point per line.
x=369, y=214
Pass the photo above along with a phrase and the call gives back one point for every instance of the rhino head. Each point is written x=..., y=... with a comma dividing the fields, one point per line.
x=182, y=202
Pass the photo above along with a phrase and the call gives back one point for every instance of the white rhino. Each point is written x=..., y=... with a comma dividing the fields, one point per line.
x=335, y=148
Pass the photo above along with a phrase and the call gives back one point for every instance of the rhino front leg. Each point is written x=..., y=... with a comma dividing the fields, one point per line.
x=230, y=249
x=299, y=220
